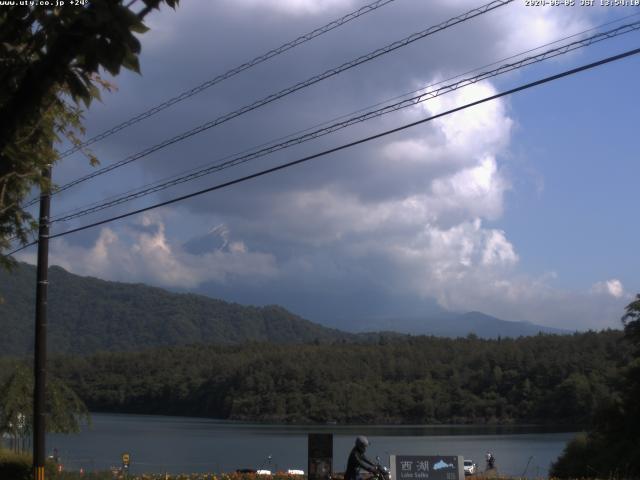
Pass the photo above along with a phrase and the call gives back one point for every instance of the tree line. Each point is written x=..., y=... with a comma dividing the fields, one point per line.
x=611, y=447
x=559, y=379
x=587, y=380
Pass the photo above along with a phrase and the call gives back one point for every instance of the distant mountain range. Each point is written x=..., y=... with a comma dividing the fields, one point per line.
x=448, y=324
x=88, y=315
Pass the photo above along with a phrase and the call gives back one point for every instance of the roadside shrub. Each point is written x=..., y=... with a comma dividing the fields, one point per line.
x=74, y=475
x=18, y=466
x=15, y=466
x=578, y=456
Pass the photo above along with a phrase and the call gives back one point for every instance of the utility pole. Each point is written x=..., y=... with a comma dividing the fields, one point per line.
x=40, y=350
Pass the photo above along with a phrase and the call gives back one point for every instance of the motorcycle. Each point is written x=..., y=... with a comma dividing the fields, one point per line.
x=382, y=472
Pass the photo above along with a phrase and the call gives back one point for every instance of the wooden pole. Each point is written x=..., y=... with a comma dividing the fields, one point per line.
x=40, y=350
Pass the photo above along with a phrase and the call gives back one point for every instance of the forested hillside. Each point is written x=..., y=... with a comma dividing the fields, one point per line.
x=88, y=315
x=542, y=379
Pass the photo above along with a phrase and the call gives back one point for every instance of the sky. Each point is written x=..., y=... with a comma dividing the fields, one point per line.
x=521, y=208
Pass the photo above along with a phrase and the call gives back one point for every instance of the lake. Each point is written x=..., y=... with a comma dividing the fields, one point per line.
x=189, y=445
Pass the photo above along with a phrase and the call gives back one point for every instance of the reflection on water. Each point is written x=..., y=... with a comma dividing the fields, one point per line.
x=178, y=444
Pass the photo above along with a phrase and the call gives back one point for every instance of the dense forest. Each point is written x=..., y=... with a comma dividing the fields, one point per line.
x=87, y=315
x=558, y=379
x=611, y=447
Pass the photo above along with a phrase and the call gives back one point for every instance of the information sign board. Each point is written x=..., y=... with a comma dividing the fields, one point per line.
x=320, y=456
x=427, y=467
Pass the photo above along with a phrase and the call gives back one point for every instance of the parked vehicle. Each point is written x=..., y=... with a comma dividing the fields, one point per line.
x=470, y=468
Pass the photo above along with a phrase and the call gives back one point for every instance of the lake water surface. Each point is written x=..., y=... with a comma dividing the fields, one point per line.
x=182, y=445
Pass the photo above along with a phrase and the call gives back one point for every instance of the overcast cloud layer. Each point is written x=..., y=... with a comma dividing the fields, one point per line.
x=390, y=228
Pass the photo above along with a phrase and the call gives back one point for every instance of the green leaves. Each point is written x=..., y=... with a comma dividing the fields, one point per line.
x=421, y=380
x=130, y=62
x=47, y=55
x=139, y=28
x=631, y=320
x=65, y=410
x=612, y=448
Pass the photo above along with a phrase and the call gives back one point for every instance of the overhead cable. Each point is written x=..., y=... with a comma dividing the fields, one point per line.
x=230, y=73
x=408, y=102
x=287, y=91
x=335, y=119
x=344, y=146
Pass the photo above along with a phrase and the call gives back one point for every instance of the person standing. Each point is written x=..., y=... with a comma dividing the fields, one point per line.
x=491, y=461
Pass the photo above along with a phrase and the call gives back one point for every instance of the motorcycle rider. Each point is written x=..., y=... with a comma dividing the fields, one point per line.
x=358, y=460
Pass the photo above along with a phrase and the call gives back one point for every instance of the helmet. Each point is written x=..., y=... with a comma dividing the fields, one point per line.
x=362, y=443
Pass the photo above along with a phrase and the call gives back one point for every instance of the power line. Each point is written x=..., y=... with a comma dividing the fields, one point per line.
x=422, y=97
x=346, y=115
x=230, y=73
x=204, y=169
x=197, y=169
x=289, y=90
x=346, y=145
x=511, y=57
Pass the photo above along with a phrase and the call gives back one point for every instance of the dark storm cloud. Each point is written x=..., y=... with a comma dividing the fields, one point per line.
x=386, y=226
x=190, y=45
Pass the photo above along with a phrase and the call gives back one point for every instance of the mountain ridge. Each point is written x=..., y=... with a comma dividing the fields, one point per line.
x=451, y=324
x=88, y=314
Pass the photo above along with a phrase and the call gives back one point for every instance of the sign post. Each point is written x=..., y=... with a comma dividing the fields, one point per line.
x=125, y=464
x=320, y=456
x=427, y=467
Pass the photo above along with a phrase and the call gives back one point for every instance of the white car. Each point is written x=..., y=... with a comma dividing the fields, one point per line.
x=470, y=468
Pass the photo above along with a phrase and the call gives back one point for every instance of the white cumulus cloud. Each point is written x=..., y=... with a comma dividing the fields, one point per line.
x=147, y=255
x=413, y=212
x=611, y=287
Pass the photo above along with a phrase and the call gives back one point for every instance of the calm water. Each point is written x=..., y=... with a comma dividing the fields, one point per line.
x=178, y=444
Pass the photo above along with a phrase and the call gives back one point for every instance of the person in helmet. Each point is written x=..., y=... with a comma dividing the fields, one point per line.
x=358, y=460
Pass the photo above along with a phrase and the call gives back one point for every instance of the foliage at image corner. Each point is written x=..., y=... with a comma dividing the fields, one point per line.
x=19, y=466
x=611, y=449
x=51, y=59
x=65, y=410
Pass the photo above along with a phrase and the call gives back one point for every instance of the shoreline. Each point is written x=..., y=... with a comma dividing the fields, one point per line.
x=530, y=427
